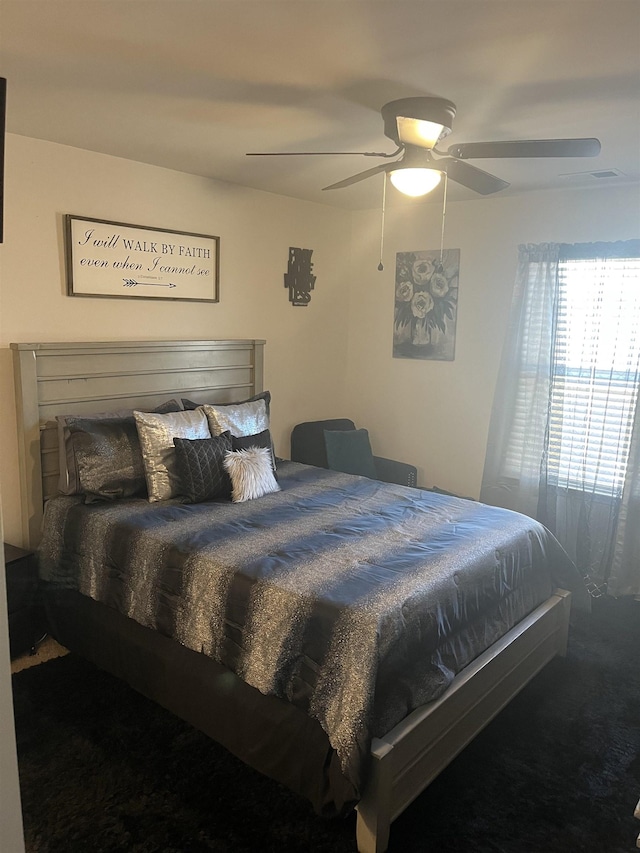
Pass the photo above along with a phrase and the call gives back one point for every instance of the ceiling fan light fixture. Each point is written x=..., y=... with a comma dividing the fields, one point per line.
x=416, y=131
x=405, y=115
x=415, y=181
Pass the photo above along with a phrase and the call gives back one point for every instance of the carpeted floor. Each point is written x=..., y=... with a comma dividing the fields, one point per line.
x=103, y=769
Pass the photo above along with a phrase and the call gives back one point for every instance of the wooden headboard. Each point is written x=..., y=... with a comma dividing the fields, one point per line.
x=88, y=377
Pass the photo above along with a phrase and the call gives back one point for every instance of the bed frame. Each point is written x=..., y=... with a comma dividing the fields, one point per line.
x=65, y=378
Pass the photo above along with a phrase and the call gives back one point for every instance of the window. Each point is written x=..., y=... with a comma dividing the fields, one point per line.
x=594, y=377
x=564, y=438
x=578, y=370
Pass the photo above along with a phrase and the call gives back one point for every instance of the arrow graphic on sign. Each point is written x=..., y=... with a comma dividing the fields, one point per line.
x=131, y=282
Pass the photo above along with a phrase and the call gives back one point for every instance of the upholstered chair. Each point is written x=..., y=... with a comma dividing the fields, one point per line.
x=328, y=444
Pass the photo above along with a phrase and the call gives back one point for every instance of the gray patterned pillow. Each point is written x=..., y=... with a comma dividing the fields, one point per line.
x=107, y=457
x=201, y=469
x=69, y=483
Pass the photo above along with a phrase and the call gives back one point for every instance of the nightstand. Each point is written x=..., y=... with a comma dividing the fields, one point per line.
x=27, y=624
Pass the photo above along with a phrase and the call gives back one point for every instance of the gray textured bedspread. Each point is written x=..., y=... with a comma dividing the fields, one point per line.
x=356, y=600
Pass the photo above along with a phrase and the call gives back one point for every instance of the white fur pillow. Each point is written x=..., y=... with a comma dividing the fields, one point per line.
x=251, y=473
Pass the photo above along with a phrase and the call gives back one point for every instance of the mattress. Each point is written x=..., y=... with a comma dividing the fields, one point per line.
x=355, y=601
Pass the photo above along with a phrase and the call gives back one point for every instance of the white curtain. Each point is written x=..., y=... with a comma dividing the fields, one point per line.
x=624, y=578
x=519, y=417
x=564, y=440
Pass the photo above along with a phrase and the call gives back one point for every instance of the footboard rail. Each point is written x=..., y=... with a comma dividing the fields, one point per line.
x=415, y=751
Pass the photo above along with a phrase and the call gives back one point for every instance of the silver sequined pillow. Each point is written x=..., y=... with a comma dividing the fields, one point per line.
x=156, y=433
x=238, y=418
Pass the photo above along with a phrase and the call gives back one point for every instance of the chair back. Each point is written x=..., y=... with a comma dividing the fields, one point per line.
x=307, y=440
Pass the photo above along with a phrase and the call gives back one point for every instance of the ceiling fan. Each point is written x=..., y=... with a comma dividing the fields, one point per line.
x=417, y=125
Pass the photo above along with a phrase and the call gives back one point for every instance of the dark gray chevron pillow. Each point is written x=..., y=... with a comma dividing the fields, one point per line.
x=201, y=472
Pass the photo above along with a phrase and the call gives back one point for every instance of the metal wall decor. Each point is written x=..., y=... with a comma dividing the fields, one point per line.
x=298, y=279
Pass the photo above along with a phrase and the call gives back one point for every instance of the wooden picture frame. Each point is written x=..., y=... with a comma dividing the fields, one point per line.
x=120, y=260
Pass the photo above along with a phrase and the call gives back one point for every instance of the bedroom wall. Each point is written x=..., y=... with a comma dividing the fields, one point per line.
x=306, y=347
x=332, y=358
x=436, y=414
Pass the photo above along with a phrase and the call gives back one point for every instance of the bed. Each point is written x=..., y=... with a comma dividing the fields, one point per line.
x=490, y=588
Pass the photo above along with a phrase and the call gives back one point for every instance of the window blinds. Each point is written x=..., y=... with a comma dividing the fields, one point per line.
x=595, y=373
x=590, y=342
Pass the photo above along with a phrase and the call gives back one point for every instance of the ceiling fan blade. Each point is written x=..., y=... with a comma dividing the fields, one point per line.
x=315, y=153
x=526, y=148
x=471, y=177
x=382, y=167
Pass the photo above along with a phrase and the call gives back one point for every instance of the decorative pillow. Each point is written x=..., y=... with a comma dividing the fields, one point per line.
x=202, y=474
x=349, y=451
x=239, y=418
x=261, y=439
x=107, y=456
x=156, y=434
x=263, y=395
x=168, y=407
x=69, y=483
x=251, y=473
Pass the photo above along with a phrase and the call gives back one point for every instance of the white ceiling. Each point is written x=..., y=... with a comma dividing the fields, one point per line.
x=194, y=84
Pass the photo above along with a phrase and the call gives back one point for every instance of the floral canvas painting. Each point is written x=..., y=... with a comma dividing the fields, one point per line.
x=426, y=303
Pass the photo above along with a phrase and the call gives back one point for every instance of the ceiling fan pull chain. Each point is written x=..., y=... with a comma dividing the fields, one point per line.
x=384, y=200
x=444, y=213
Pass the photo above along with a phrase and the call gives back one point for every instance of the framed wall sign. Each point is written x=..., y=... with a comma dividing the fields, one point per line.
x=118, y=260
